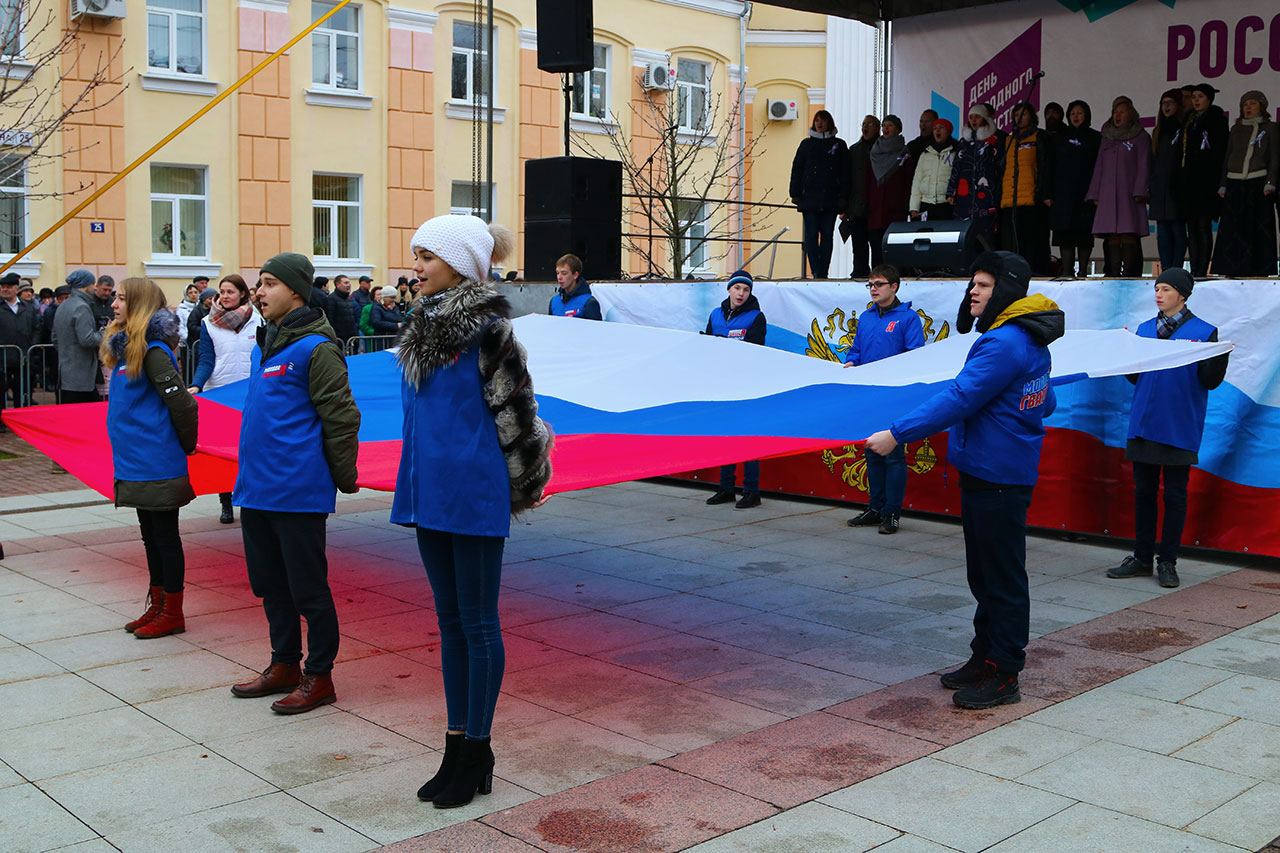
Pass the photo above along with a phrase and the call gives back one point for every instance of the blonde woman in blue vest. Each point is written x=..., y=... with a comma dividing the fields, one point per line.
x=474, y=452
x=151, y=423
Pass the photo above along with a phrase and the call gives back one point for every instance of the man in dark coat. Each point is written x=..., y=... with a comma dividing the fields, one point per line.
x=921, y=142
x=853, y=220
x=19, y=328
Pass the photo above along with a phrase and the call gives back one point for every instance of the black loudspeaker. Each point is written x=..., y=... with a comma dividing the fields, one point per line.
x=565, y=29
x=572, y=205
x=944, y=245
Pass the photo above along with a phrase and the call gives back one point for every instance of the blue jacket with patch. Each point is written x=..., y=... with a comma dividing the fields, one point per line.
x=882, y=335
x=580, y=303
x=1169, y=406
x=997, y=405
x=745, y=324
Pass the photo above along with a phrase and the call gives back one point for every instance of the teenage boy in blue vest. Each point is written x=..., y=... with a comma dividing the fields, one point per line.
x=888, y=327
x=298, y=446
x=573, y=298
x=995, y=409
x=738, y=318
x=1166, y=423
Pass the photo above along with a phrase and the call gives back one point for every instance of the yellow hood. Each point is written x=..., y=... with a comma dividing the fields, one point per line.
x=1033, y=304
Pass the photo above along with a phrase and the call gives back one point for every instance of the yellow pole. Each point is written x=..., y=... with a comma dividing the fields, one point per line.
x=169, y=137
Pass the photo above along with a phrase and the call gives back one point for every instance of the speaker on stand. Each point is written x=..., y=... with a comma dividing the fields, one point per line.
x=572, y=205
x=942, y=246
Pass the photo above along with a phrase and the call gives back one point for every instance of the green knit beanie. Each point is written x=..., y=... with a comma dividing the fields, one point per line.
x=294, y=270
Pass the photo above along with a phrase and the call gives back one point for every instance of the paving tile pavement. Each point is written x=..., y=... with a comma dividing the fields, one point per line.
x=678, y=675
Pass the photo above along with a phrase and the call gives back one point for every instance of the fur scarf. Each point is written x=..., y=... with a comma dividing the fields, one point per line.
x=475, y=314
x=163, y=326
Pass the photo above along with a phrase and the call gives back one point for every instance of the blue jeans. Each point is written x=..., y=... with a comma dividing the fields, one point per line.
x=1171, y=242
x=465, y=572
x=995, y=551
x=750, y=477
x=817, y=235
x=887, y=480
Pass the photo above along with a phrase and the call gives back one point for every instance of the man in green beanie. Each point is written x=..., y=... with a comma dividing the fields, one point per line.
x=300, y=425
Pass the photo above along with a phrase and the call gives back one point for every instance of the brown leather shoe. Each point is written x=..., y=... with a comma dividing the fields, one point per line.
x=277, y=678
x=313, y=691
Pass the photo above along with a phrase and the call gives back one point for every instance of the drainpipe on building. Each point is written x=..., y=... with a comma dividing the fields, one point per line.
x=742, y=124
x=488, y=154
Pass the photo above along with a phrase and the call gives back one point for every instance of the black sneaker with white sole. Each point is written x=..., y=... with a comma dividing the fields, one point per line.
x=889, y=524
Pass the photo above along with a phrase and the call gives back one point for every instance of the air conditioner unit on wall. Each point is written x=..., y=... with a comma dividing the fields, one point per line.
x=783, y=111
x=658, y=75
x=98, y=8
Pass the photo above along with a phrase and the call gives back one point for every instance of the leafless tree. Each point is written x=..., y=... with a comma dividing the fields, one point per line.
x=46, y=79
x=683, y=164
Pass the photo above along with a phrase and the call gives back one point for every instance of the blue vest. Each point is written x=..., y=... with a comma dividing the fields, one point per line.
x=1169, y=405
x=453, y=476
x=144, y=443
x=571, y=307
x=735, y=328
x=282, y=462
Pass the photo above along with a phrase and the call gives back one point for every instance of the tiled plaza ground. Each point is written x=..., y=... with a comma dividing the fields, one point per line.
x=678, y=675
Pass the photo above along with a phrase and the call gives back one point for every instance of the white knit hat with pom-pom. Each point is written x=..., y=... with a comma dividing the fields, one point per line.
x=465, y=243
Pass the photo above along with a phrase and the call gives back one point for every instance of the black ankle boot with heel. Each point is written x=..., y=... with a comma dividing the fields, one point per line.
x=438, y=782
x=472, y=775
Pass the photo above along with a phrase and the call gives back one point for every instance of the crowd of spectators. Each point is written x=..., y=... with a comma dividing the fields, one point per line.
x=1031, y=189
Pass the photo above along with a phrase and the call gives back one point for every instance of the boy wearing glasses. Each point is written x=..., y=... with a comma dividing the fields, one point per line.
x=888, y=327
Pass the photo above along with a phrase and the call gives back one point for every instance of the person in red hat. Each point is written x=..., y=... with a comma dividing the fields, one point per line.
x=933, y=174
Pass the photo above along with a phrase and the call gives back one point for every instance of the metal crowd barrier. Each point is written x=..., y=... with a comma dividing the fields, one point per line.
x=42, y=374
x=369, y=343
x=13, y=376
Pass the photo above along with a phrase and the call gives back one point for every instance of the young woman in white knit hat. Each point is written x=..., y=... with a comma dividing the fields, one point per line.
x=474, y=453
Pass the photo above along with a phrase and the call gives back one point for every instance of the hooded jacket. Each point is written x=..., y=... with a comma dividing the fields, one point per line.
x=1204, y=147
x=747, y=323
x=881, y=335
x=299, y=419
x=820, y=174
x=474, y=451
x=152, y=422
x=577, y=303
x=975, y=175
x=77, y=338
x=1031, y=189
x=933, y=175
x=343, y=315
x=1166, y=152
x=1075, y=153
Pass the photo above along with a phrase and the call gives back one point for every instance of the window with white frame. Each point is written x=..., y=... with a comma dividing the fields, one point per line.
x=11, y=27
x=463, y=201
x=335, y=47
x=469, y=69
x=693, y=85
x=591, y=90
x=179, y=212
x=335, y=212
x=13, y=205
x=694, y=215
x=175, y=36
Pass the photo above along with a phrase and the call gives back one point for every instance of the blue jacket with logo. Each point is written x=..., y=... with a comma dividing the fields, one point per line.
x=997, y=405
x=747, y=323
x=1169, y=405
x=579, y=303
x=881, y=335
x=144, y=440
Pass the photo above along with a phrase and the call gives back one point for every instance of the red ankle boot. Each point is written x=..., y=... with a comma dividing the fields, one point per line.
x=169, y=621
x=155, y=603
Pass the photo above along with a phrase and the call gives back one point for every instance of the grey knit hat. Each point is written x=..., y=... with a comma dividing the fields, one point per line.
x=294, y=270
x=81, y=278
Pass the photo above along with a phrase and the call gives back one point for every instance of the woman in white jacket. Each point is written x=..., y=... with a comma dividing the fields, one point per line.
x=933, y=173
x=227, y=339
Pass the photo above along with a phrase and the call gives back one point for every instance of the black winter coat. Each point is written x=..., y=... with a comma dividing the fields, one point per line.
x=1204, y=147
x=859, y=154
x=1162, y=202
x=820, y=175
x=1075, y=153
x=19, y=329
x=342, y=316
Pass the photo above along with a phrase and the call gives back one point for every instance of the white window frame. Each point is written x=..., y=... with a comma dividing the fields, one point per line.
x=688, y=238
x=332, y=206
x=582, y=84
x=19, y=6
x=685, y=91
x=467, y=211
x=176, y=217
x=23, y=201
x=333, y=34
x=172, y=14
x=470, y=99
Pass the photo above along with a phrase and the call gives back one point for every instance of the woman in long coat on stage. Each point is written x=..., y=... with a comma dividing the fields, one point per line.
x=1204, y=146
x=1119, y=187
x=1247, y=233
x=1071, y=217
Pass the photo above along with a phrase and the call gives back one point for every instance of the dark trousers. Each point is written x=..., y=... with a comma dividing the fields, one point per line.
x=1146, y=485
x=1200, y=244
x=284, y=553
x=887, y=480
x=10, y=376
x=465, y=573
x=861, y=244
x=80, y=397
x=995, y=550
x=875, y=236
x=166, y=561
x=1171, y=242
x=750, y=477
x=818, y=226
x=1025, y=231
x=937, y=212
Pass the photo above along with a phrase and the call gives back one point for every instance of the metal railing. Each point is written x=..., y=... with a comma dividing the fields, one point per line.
x=13, y=376
x=361, y=344
x=43, y=387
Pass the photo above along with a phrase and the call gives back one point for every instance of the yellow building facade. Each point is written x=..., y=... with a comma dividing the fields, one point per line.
x=366, y=128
